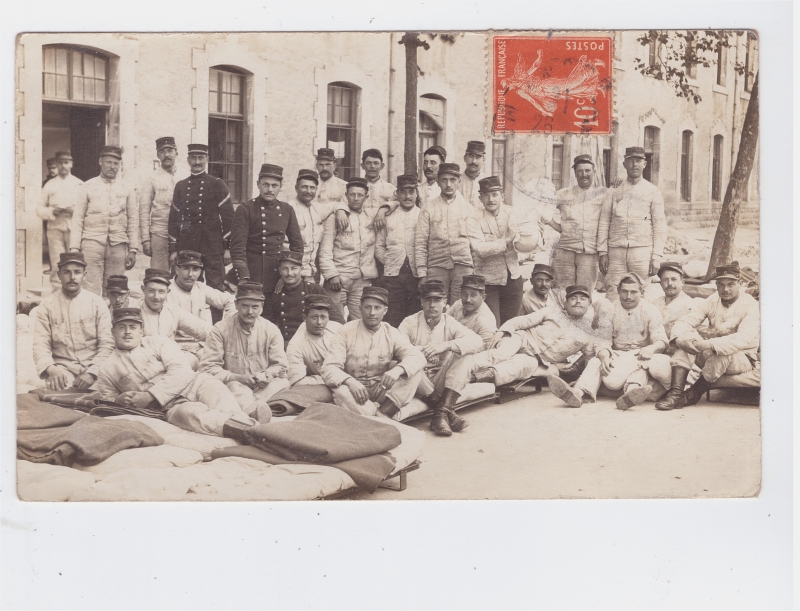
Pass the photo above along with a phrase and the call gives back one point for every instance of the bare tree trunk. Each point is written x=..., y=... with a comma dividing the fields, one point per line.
x=411, y=42
x=722, y=250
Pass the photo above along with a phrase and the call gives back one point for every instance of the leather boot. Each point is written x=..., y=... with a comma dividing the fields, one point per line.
x=697, y=390
x=573, y=371
x=388, y=408
x=440, y=424
x=675, y=398
x=483, y=375
x=432, y=400
x=449, y=400
x=236, y=430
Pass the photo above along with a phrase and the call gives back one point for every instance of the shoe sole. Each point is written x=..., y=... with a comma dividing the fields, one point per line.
x=563, y=391
x=634, y=397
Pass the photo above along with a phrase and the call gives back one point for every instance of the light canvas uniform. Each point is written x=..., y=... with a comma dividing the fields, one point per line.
x=306, y=353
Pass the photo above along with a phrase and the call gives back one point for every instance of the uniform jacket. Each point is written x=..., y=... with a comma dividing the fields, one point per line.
x=172, y=319
x=356, y=352
x=331, y=190
x=349, y=253
x=201, y=215
x=311, y=221
x=199, y=302
x=59, y=196
x=395, y=242
x=105, y=210
x=74, y=333
x=442, y=236
x=731, y=330
x=470, y=188
x=551, y=334
x=284, y=306
x=675, y=309
x=580, y=211
x=156, y=195
x=307, y=352
x=633, y=215
x=622, y=329
x=494, y=258
x=448, y=329
x=481, y=322
x=229, y=349
x=428, y=192
x=379, y=193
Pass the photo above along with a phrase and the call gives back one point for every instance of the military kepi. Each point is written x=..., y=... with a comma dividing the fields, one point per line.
x=436, y=150
x=636, y=152
x=111, y=151
x=491, y=183
x=671, y=266
x=406, y=181
x=291, y=256
x=449, y=168
x=476, y=146
x=326, y=154
x=473, y=281
x=250, y=290
x=376, y=292
x=156, y=275
x=63, y=156
x=198, y=148
x=731, y=272
x=71, y=257
x=134, y=314
x=316, y=302
x=117, y=284
x=582, y=159
x=165, y=142
x=541, y=268
x=578, y=289
x=308, y=175
x=269, y=169
x=357, y=181
x=433, y=288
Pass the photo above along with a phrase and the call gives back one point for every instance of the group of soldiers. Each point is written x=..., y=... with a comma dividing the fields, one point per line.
x=427, y=274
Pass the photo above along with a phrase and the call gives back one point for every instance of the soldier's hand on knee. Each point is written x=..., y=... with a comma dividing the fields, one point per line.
x=686, y=345
x=56, y=378
x=359, y=391
x=605, y=363
x=390, y=377
x=84, y=381
x=701, y=345
x=247, y=379
x=496, y=339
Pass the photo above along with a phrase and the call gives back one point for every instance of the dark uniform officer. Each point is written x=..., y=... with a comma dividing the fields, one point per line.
x=200, y=220
x=284, y=305
x=258, y=233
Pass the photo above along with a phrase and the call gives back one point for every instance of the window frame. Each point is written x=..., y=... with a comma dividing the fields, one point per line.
x=499, y=161
x=687, y=162
x=717, y=146
x=230, y=121
x=560, y=144
x=70, y=75
x=749, y=62
x=346, y=167
x=652, y=153
x=722, y=66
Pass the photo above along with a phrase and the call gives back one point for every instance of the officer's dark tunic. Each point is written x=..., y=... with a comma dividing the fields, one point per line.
x=257, y=236
x=200, y=220
x=284, y=306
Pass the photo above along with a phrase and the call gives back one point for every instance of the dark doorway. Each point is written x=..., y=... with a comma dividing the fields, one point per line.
x=80, y=129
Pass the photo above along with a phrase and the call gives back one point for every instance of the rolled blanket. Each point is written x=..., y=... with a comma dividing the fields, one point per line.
x=325, y=434
x=92, y=402
x=294, y=400
x=35, y=414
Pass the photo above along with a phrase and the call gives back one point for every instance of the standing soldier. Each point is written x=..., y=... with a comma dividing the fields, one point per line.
x=200, y=218
x=52, y=170
x=473, y=172
x=575, y=259
x=105, y=225
x=155, y=201
x=492, y=244
x=431, y=159
x=311, y=215
x=394, y=247
x=379, y=191
x=442, y=240
x=331, y=187
x=633, y=228
x=260, y=227
x=59, y=194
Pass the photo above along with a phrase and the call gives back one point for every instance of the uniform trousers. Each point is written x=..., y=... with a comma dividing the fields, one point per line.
x=509, y=360
x=205, y=406
x=400, y=394
x=714, y=366
x=57, y=243
x=451, y=278
x=250, y=398
x=572, y=267
x=350, y=295
x=505, y=300
x=309, y=380
x=452, y=372
x=214, y=271
x=102, y=260
x=626, y=370
x=403, y=295
x=160, y=248
x=634, y=259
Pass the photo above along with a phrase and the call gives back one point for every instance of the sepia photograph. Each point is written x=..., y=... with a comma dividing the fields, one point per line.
x=298, y=266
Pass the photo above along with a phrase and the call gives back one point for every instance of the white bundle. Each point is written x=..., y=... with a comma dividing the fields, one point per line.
x=536, y=204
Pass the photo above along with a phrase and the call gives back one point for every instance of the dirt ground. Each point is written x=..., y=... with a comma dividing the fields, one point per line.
x=537, y=448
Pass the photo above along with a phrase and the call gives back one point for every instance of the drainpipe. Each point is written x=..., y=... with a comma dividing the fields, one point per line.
x=390, y=122
x=733, y=119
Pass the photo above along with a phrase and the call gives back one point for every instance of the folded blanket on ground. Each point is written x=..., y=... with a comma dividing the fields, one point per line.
x=324, y=433
x=294, y=400
x=59, y=436
x=93, y=403
x=367, y=472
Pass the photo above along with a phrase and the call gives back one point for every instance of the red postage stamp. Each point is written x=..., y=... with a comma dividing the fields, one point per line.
x=558, y=84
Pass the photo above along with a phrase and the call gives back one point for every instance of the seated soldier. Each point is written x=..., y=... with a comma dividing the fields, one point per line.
x=630, y=344
x=472, y=311
x=119, y=295
x=284, y=306
x=371, y=367
x=444, y=341
x=188, y=293
x=310, y=345
x=675, y=303
x=547, y=336
x=154, y=372
x=728, y=347
x=541, y=294
x=245, y=352
x=71, y=330
x=162, y=318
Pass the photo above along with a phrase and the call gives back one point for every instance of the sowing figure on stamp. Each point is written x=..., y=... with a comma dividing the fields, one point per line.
x=544, y=93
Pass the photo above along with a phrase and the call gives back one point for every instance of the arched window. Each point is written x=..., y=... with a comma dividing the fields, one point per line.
x=431, y=123
x=74, y=74
x=652, y=150
x=343, y=127
x=226, y=128
x=716, y=169
x=686, y=166
x=557, y=171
